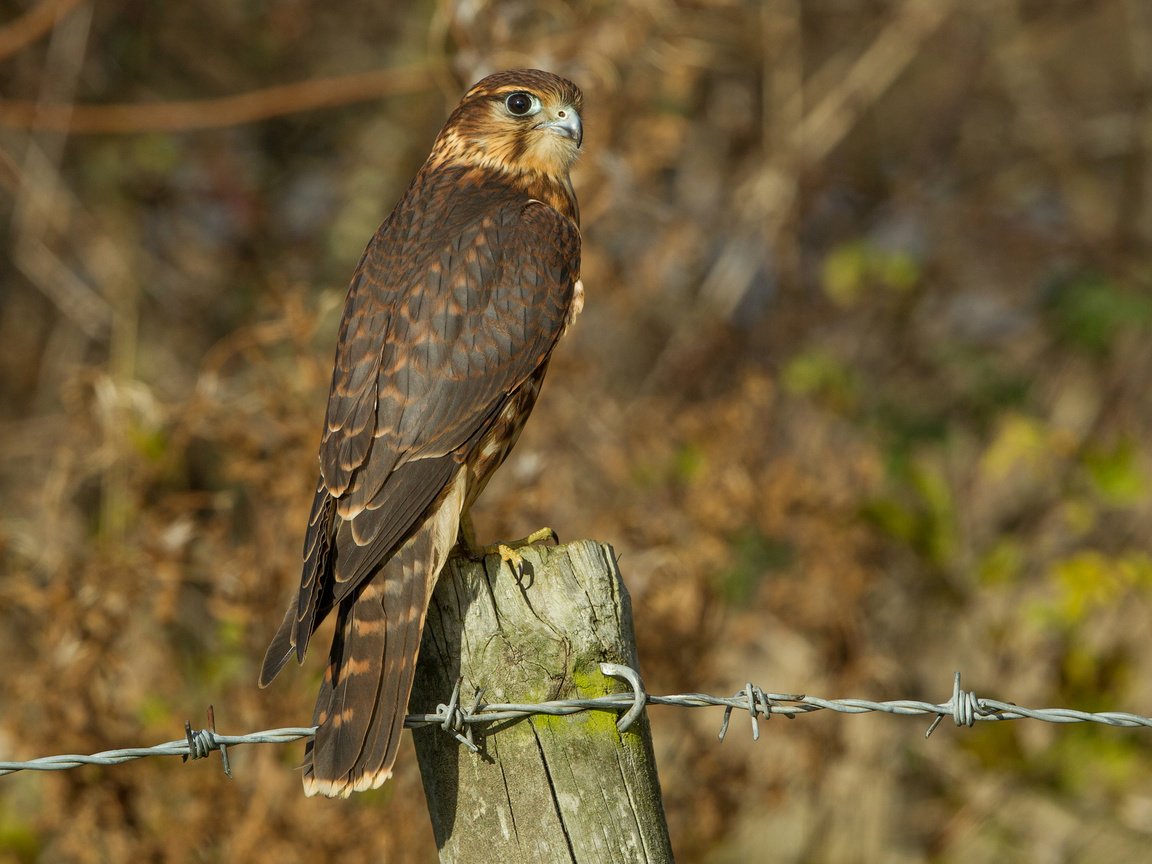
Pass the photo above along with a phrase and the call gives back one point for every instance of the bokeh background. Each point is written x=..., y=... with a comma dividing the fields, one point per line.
x=860, y=396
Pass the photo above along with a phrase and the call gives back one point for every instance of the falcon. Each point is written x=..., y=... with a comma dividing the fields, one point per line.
x=450, y=321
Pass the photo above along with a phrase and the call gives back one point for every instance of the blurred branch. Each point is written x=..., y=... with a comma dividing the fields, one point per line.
x=1043, y=122
x=1135, y=212
x=813, y=133
x=9, y=173
x=283, y=99
x=782, y=112
x=44, y=207
x=33, y=24
x=835, y=112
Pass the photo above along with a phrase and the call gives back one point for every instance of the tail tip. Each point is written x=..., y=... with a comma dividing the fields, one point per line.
x=343, y=787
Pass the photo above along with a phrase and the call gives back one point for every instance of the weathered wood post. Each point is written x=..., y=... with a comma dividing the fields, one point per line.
x=543, y=789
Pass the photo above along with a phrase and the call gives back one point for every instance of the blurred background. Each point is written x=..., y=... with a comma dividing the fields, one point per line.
x=860, y=396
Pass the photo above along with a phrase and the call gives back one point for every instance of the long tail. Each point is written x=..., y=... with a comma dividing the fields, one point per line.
x=364, y=696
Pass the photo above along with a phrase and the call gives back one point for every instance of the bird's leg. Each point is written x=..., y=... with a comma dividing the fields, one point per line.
x=506, y=550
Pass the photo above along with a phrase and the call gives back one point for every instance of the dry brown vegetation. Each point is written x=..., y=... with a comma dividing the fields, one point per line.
x=860, y=396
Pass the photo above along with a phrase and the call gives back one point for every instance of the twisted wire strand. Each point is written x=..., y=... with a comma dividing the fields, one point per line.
x=964, y=708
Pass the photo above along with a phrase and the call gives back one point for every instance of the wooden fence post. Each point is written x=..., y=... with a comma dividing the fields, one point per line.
x=543, y=789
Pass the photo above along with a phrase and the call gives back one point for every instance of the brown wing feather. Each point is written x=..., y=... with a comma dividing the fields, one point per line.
x=318, y=543
x=447, y=343
x=471, y=330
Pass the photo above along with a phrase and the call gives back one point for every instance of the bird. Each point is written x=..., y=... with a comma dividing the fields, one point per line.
x=450, y=321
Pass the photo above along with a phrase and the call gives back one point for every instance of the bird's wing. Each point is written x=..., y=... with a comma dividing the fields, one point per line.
x=439, y=329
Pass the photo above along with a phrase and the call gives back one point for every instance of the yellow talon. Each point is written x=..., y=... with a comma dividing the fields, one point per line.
x=508, y=554
x=506, y=551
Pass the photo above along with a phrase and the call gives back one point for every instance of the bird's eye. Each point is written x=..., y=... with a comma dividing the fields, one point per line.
x=521, y=103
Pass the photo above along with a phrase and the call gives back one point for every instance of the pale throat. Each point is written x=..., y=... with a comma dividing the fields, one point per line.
x=541, y=168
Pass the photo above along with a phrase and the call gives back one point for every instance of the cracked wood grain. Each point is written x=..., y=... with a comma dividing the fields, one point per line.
x=545, y=789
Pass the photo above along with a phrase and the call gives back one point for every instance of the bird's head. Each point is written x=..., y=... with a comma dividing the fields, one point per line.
x=519, y=122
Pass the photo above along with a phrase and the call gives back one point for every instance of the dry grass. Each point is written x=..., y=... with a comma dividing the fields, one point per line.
x=859, y=396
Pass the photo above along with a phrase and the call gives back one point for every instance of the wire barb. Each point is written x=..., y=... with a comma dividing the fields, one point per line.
x=204, y=741
x=456, y=720
x=756, y=702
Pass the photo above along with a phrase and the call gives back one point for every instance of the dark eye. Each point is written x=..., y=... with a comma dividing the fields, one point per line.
x=519, y=103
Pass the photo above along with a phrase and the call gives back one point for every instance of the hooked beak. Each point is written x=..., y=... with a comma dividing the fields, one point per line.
x=567, y=123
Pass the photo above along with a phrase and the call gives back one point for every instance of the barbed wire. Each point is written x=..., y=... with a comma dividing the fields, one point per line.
x=965, y=708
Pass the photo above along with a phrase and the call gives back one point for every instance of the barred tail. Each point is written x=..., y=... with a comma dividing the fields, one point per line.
x=364, y=696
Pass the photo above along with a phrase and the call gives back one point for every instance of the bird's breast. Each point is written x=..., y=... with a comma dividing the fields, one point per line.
x=495, y=445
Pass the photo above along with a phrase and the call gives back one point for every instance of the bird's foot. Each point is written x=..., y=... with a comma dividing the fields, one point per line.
x=508, y=550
